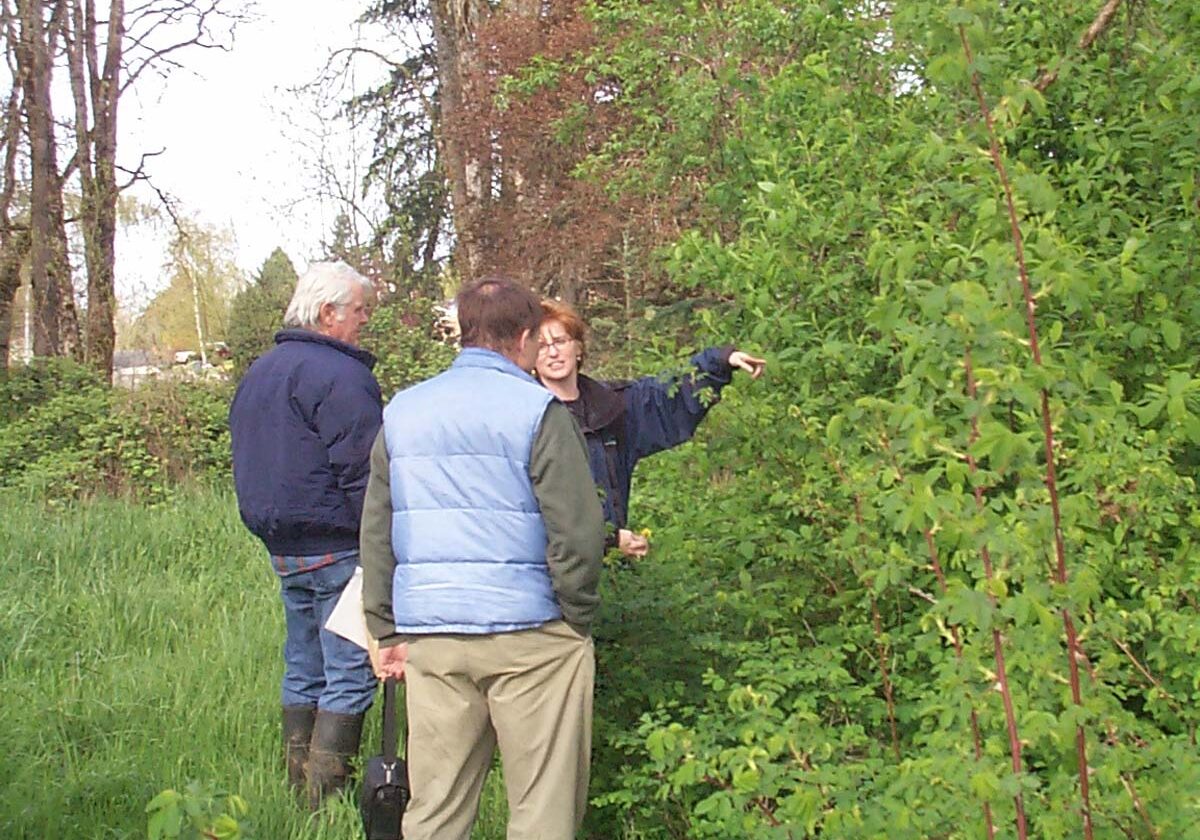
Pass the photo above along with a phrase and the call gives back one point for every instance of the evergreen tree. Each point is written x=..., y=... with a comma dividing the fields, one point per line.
x=257, y=311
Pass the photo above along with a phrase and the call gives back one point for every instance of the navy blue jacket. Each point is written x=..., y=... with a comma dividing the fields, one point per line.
x=303, y=421
x=624, y=422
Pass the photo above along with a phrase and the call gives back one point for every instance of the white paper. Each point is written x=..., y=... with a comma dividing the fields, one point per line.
x=347, y=619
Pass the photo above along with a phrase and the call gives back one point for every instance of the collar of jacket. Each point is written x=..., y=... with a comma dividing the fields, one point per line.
x=313, y=337
x=481, y=357
x=602, y=406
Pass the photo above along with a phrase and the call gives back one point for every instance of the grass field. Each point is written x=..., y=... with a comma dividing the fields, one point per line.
x=140, y=649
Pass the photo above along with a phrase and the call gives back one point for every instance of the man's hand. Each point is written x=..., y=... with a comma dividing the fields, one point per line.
x=631, y=544
x=390, y=662
x=751, y=364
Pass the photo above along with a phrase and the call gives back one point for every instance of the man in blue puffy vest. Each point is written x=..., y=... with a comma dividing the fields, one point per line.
x=303, y=421
x=482, y=537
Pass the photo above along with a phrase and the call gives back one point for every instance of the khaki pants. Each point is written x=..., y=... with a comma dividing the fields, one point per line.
x=530, y=693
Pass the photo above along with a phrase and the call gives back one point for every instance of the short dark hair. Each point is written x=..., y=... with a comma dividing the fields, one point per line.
x=494, y=311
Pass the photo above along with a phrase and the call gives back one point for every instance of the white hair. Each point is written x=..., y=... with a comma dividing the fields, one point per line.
x=324, y=282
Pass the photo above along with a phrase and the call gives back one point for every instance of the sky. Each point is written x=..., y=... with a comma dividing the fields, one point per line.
x=239, y=148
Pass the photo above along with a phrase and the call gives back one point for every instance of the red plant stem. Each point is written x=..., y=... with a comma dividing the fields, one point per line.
x=936, y=563
x=1010, y=716
x=1060, y=573
x=887, y=679
x=1139, y=806
x=1145, y=672
x=876, y=622
x=958, y=654
x=762, y=806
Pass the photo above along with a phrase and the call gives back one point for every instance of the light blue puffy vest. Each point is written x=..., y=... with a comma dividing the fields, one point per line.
x=467, y=531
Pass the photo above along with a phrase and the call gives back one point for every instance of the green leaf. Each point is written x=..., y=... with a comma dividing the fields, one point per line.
x=156, y=826
x=833, y=430
x=1171, y=332
x=985, y=785
x=971, y=607
x=1177, y=409
x=958, y=16
x=225, y=826
x=1146, y=414
x=167, y=796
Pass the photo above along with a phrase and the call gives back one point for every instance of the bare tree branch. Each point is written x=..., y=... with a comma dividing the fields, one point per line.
x=1107, y=13
x=152, y=18
x=397, y=67
x=139, y=172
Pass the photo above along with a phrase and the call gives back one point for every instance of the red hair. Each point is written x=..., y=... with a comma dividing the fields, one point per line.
x=565, y=314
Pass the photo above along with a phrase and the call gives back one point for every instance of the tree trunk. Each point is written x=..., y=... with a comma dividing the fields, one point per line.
x=12, y=256
x=6, y=308
x=466, y=153
x=97, y=86
x=56, y=330
x=14, y=241
x=520, y=175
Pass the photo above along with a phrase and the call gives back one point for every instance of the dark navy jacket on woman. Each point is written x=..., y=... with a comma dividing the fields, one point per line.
x=303, y=421
x=624, y=422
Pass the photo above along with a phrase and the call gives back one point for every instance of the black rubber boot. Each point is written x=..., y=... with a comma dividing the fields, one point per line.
x=334, y=745
x=297, y=733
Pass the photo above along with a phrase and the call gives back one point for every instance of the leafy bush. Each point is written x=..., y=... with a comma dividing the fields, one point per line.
x=24, y=387
x=950, y=580
x=197, y=814
x=69, y=436
x=403, y=335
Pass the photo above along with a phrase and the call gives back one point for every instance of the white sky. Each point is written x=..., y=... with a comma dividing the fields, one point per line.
x=234, y=155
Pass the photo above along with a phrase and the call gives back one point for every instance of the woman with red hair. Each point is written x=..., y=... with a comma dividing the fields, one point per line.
x=624, y=422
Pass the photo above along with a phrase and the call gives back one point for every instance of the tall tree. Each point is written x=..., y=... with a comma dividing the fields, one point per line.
x=499, y=96
x=96, y=88
x=106, y=55
x=56, y=330
x=14, y=231
x=393, y=218
x=104, y=48
x=436, y=129
x=486, y=173
x=192, y=311
x=257, y=310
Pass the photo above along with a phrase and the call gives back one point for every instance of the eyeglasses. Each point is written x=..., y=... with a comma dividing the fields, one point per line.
x=557, y=343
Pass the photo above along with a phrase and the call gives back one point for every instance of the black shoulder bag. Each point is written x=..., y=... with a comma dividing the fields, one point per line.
x=385, y=790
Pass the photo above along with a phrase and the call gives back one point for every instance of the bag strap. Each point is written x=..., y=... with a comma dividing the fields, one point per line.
x=389, y=721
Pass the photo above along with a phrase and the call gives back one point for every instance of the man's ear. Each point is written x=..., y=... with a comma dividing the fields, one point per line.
x=327, y=314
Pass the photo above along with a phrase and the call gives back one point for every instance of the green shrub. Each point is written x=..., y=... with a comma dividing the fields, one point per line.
x=74, y=437
x=24, y=387
x=880, y=527
x=403, y=336
x=197, y=814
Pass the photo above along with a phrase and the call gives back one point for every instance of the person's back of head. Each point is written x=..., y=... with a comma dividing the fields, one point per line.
x=323, y=296
x=498, y=314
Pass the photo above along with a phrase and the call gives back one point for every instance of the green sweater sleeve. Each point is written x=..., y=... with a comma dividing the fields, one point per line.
x=375, y=548
x=572, y=514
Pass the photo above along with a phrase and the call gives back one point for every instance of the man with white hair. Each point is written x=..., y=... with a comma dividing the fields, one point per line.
x=302, y=422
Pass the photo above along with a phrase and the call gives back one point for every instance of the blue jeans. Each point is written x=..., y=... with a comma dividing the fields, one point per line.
x=321, y=668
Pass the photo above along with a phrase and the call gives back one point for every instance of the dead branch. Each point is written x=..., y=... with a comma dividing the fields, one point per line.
x=152, y=17
x=397, y=67
x=139, y=172
x=1086, y=40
